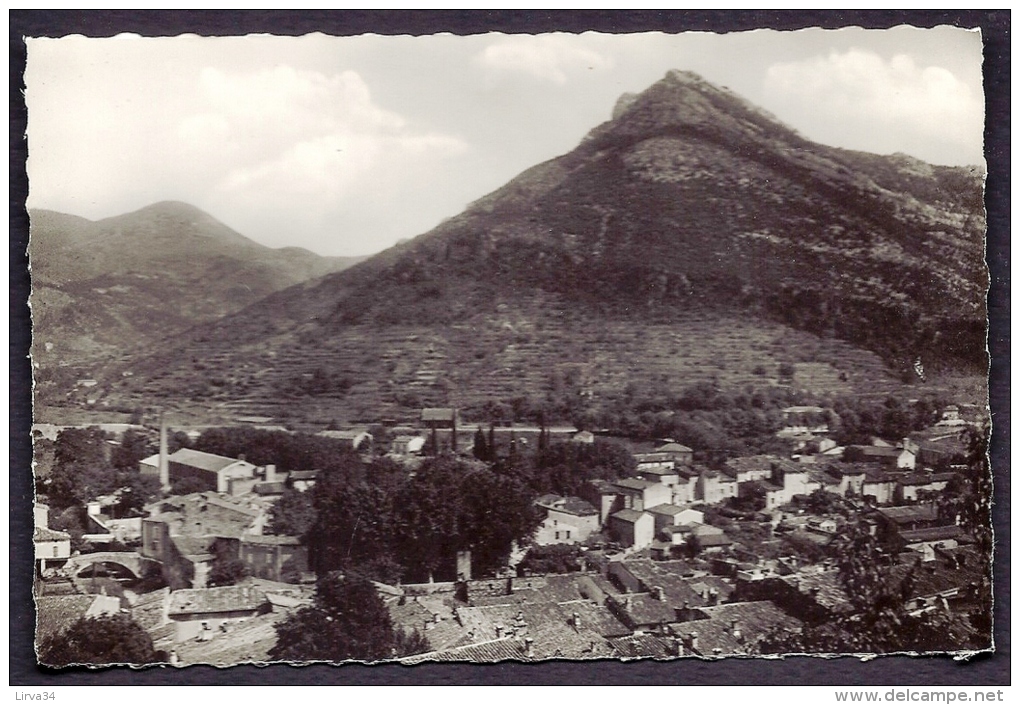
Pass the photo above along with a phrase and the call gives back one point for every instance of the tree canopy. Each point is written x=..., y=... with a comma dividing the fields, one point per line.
x=293, y=514
x=416, y=524
x=347, y=621
x=111, y=639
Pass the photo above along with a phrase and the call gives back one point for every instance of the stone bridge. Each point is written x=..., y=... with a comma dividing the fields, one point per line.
x=131, y=560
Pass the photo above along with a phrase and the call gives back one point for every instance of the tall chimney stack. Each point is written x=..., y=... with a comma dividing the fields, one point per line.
x=164, y=462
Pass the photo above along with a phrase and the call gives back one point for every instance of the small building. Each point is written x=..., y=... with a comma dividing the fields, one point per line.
x=680, y=454
x=52, y=548
x=879, y=486
x=822, y=525
x=715, y=487
x=199, y=613
x=941, y=449
x=271, y=557
x=567, y=520
x=772, y=494
x=925, y=541
x=632, y=528
x=583, y=437
x=887, y=457
x=184, y=561
x=910, y=518
x=714, y=543
x=666, y=515
x=355, y=438
x=685, y=491
x=650, y=461
x=849, y=478
x=639, y=494
x=149, y=466
x=910, y=488
x=302, y=480
x=407, y=445
x=750, y=468
x=642, y=612
x=664, y=476
x=212, y=472
x=440, y=418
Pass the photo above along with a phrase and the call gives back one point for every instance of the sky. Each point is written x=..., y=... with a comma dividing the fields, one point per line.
x=347, y=145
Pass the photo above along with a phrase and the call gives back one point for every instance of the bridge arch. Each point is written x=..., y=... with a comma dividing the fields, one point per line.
x=130, y=561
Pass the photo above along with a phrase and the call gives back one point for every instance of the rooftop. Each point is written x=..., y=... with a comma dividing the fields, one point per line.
x=44, y=534
x=270, y=540
x=247, y=641
x=628, y=515
x=438, y=414
x=662, y=472
x=202, y=460
x=303, y=475
x=568, y=505
x=674, y=448
x=634, y=484
x=643, y=609
x=670, y=510
x=56, y=614
x=936, y=533
x=734, y=628
x=906, y=515
x=231, y=598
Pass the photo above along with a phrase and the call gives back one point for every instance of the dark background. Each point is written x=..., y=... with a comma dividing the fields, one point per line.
x=985, y=669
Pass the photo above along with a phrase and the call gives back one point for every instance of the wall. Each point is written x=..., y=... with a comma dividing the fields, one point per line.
x=180, y=471
x=579, y=527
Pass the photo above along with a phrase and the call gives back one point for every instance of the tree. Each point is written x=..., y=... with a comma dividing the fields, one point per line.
x=347, y=621
x=112, y=639
x=877, y=621
x=354, y=523
x=80, y=472
x=133, y=447
x=481, y=449
x=227, y=568
x=139, y=490
x=293, y=514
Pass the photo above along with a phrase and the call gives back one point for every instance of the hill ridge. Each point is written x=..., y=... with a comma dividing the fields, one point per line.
x=690, y=205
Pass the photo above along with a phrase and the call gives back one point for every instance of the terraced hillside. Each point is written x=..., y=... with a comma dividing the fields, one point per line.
x=369, y=374
x=691, y=237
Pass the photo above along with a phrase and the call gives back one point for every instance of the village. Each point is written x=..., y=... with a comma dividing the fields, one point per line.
x=673, y=559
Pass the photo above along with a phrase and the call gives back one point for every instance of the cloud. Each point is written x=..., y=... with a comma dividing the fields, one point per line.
x=301, y=142
x=858, y=99
x=547, y=57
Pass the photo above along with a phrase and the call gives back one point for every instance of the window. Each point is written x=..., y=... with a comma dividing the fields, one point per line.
x=56, y=549
x=568, y=534
x=557, y=535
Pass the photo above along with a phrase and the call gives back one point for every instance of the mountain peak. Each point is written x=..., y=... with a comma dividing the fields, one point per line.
x=683, y=101
x=684, y=77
